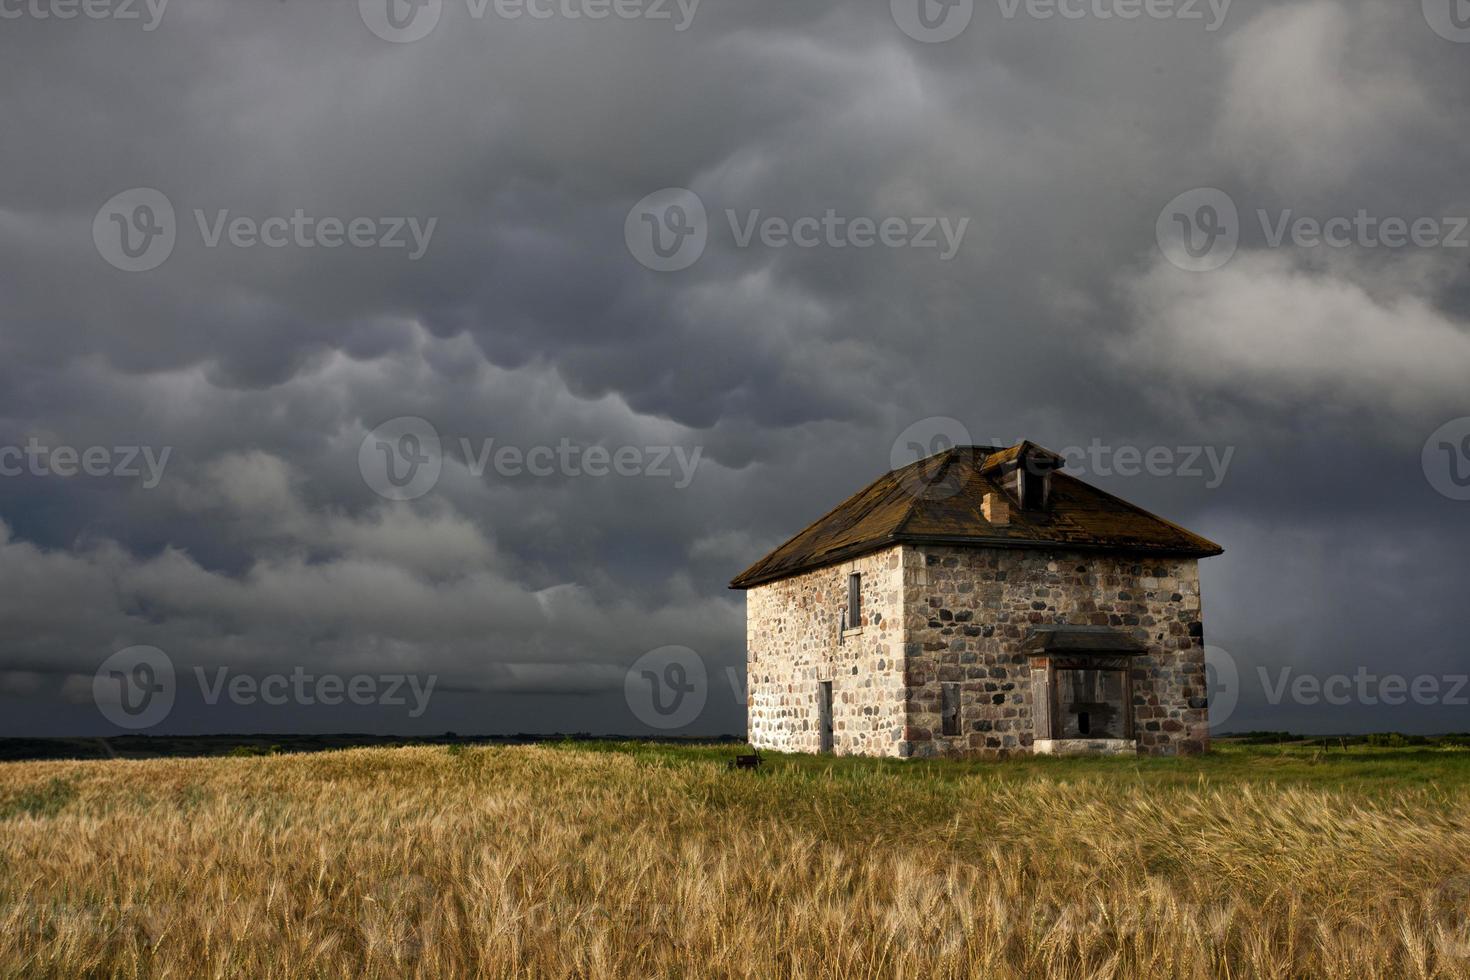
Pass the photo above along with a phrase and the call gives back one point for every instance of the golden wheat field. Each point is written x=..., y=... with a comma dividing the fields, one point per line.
x=635, y=860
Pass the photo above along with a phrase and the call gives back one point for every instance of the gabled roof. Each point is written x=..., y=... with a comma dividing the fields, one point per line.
x=938, y=500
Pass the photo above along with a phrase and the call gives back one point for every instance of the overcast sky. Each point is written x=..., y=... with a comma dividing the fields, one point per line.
x=254, y=252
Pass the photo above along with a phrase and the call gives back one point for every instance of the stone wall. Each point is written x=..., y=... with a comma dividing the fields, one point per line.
x=969, y=610
x=792, y=643
x=958, y=615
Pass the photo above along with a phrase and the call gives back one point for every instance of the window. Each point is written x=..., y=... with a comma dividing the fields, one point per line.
x=824, y=716
x=949, y=710
x=854, y=601
x=1091, y=703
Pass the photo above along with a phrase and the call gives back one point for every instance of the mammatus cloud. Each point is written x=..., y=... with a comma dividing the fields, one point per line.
x=527, y=322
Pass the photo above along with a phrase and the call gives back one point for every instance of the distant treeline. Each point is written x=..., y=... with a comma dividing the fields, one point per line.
x=1387, y=740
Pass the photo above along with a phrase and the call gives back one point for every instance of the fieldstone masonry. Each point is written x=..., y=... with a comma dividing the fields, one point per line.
x=935, y=615
x=794, y=640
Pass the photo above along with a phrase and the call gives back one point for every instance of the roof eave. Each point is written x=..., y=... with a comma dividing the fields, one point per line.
x=747, y=580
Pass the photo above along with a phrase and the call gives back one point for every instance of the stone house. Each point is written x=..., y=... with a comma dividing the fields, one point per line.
x=980, y=601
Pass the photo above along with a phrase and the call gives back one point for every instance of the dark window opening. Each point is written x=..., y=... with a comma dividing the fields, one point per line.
x=1032, y=489
x=824, y=716
x=1091, y=703
x=854, y=600
x=949, y=713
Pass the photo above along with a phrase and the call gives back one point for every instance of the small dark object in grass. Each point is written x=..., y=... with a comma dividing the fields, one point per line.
x=746, y=761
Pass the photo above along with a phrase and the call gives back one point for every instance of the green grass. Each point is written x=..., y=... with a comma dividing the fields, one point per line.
x=1301, y=763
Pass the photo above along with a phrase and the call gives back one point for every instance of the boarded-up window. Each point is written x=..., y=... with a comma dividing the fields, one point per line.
x=854, y=600
x=949, y=709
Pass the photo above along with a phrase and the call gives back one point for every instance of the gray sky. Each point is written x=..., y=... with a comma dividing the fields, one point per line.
x=1059, y=153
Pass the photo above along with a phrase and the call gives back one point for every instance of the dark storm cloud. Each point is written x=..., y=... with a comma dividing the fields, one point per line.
x=526, y=320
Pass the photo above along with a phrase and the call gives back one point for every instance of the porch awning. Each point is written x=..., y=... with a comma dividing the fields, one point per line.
x=1081, y=639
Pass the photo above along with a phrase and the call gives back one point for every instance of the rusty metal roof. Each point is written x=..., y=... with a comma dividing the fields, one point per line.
x=938, y=500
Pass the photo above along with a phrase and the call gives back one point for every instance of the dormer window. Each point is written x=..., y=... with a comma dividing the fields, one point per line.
x=1027, y=478
x=1035, y=486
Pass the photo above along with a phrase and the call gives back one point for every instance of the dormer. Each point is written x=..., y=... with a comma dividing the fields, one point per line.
x=1025, y=472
